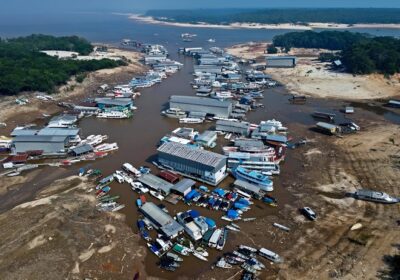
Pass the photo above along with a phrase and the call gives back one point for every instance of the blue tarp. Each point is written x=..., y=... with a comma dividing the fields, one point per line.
x=194, y=213
x=210, y=223
x=140, y=224
x=233, y=214
x=239, y=205
x=203, y=188
x=192, y=194
x=243, y=201
x=219, y=192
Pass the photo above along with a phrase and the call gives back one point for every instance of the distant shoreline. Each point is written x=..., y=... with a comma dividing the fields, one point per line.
x=310, y=26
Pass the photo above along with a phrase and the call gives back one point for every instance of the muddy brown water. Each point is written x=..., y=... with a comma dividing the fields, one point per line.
x=138, y=139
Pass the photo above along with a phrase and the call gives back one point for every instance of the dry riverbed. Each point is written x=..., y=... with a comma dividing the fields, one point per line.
x=313, y=78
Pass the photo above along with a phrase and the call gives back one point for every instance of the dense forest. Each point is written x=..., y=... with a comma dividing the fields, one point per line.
x=24, y=68
x=275, y=16
x=360, y=53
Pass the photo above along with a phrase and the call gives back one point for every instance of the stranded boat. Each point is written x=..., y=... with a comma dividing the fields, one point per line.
x=254, y=177
x=107, y=147
x=270, y=255
x=375, y=196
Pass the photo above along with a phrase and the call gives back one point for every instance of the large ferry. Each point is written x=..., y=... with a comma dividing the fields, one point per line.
x=254, y=177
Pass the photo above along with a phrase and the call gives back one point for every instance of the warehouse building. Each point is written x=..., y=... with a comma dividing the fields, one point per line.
x=209, y=106
x=183, y=187
x=156, y=183
x=49, y=140
x=202, y=165
x=280, y=61
x=48, y=144
x=207, y=139
x=241, y=128
x=161, y=220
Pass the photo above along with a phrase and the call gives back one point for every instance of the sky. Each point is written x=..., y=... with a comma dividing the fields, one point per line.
x=10, y=7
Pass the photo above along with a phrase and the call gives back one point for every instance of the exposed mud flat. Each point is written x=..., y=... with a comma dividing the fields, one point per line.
x=61, y=235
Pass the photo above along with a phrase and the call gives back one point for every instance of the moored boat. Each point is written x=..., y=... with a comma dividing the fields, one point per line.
x=254, y=177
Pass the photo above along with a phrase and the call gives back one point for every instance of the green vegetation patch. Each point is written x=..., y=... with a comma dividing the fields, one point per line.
x=24, y=68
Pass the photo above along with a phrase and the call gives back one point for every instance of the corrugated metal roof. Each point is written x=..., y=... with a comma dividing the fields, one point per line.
x=54, y=131
x=39, y=138
x=114, y=101
x=196, y=155
x=24, y=132
x=82, y=149
x=168, y=225
x=155, y=182
x=200, y=101
x=183, y=185
x=244, y=125
x=249, y=143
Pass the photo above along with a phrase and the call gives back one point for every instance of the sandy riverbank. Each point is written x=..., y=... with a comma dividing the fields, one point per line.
x=237, y=25
x=313, y=78
x=13, y=114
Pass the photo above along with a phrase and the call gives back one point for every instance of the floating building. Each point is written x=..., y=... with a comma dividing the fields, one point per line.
x=236, y=127
x=209, y=106
x=202, y=165
x=161, y=220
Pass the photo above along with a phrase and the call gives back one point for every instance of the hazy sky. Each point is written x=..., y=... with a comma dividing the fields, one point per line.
x=43, y=6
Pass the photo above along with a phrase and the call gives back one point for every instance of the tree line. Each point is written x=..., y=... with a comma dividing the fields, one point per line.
x=359, y=53
x=276, y=16
x=24, y=68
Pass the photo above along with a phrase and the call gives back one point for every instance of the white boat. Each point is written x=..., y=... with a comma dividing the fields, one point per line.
x=107, y=147
x=175, y=257
x=248, y=248
x=214, y=238
x=157, y=195
x=199, y=256
x=191, y=120
x=281, y=227
x=113, y=115
x=129, y=168
x=202, y=251
x=270, y=255
x=375, y=196
x=137, y=186
x=211, y=40
x=222, y=263
x=118, y=207
x=174, y=113
x=221, y=95
x=232, y=228
x=118, y=178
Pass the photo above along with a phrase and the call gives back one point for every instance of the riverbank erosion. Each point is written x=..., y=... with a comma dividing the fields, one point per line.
x=13, y=114
x=61, y=235
x=317, y=79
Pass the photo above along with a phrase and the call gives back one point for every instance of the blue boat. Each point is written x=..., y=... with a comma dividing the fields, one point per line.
x=141, y=225
x=139, y=202
x=254, y=177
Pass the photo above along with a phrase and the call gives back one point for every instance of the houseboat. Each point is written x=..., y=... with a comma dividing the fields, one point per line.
x=254, y=177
